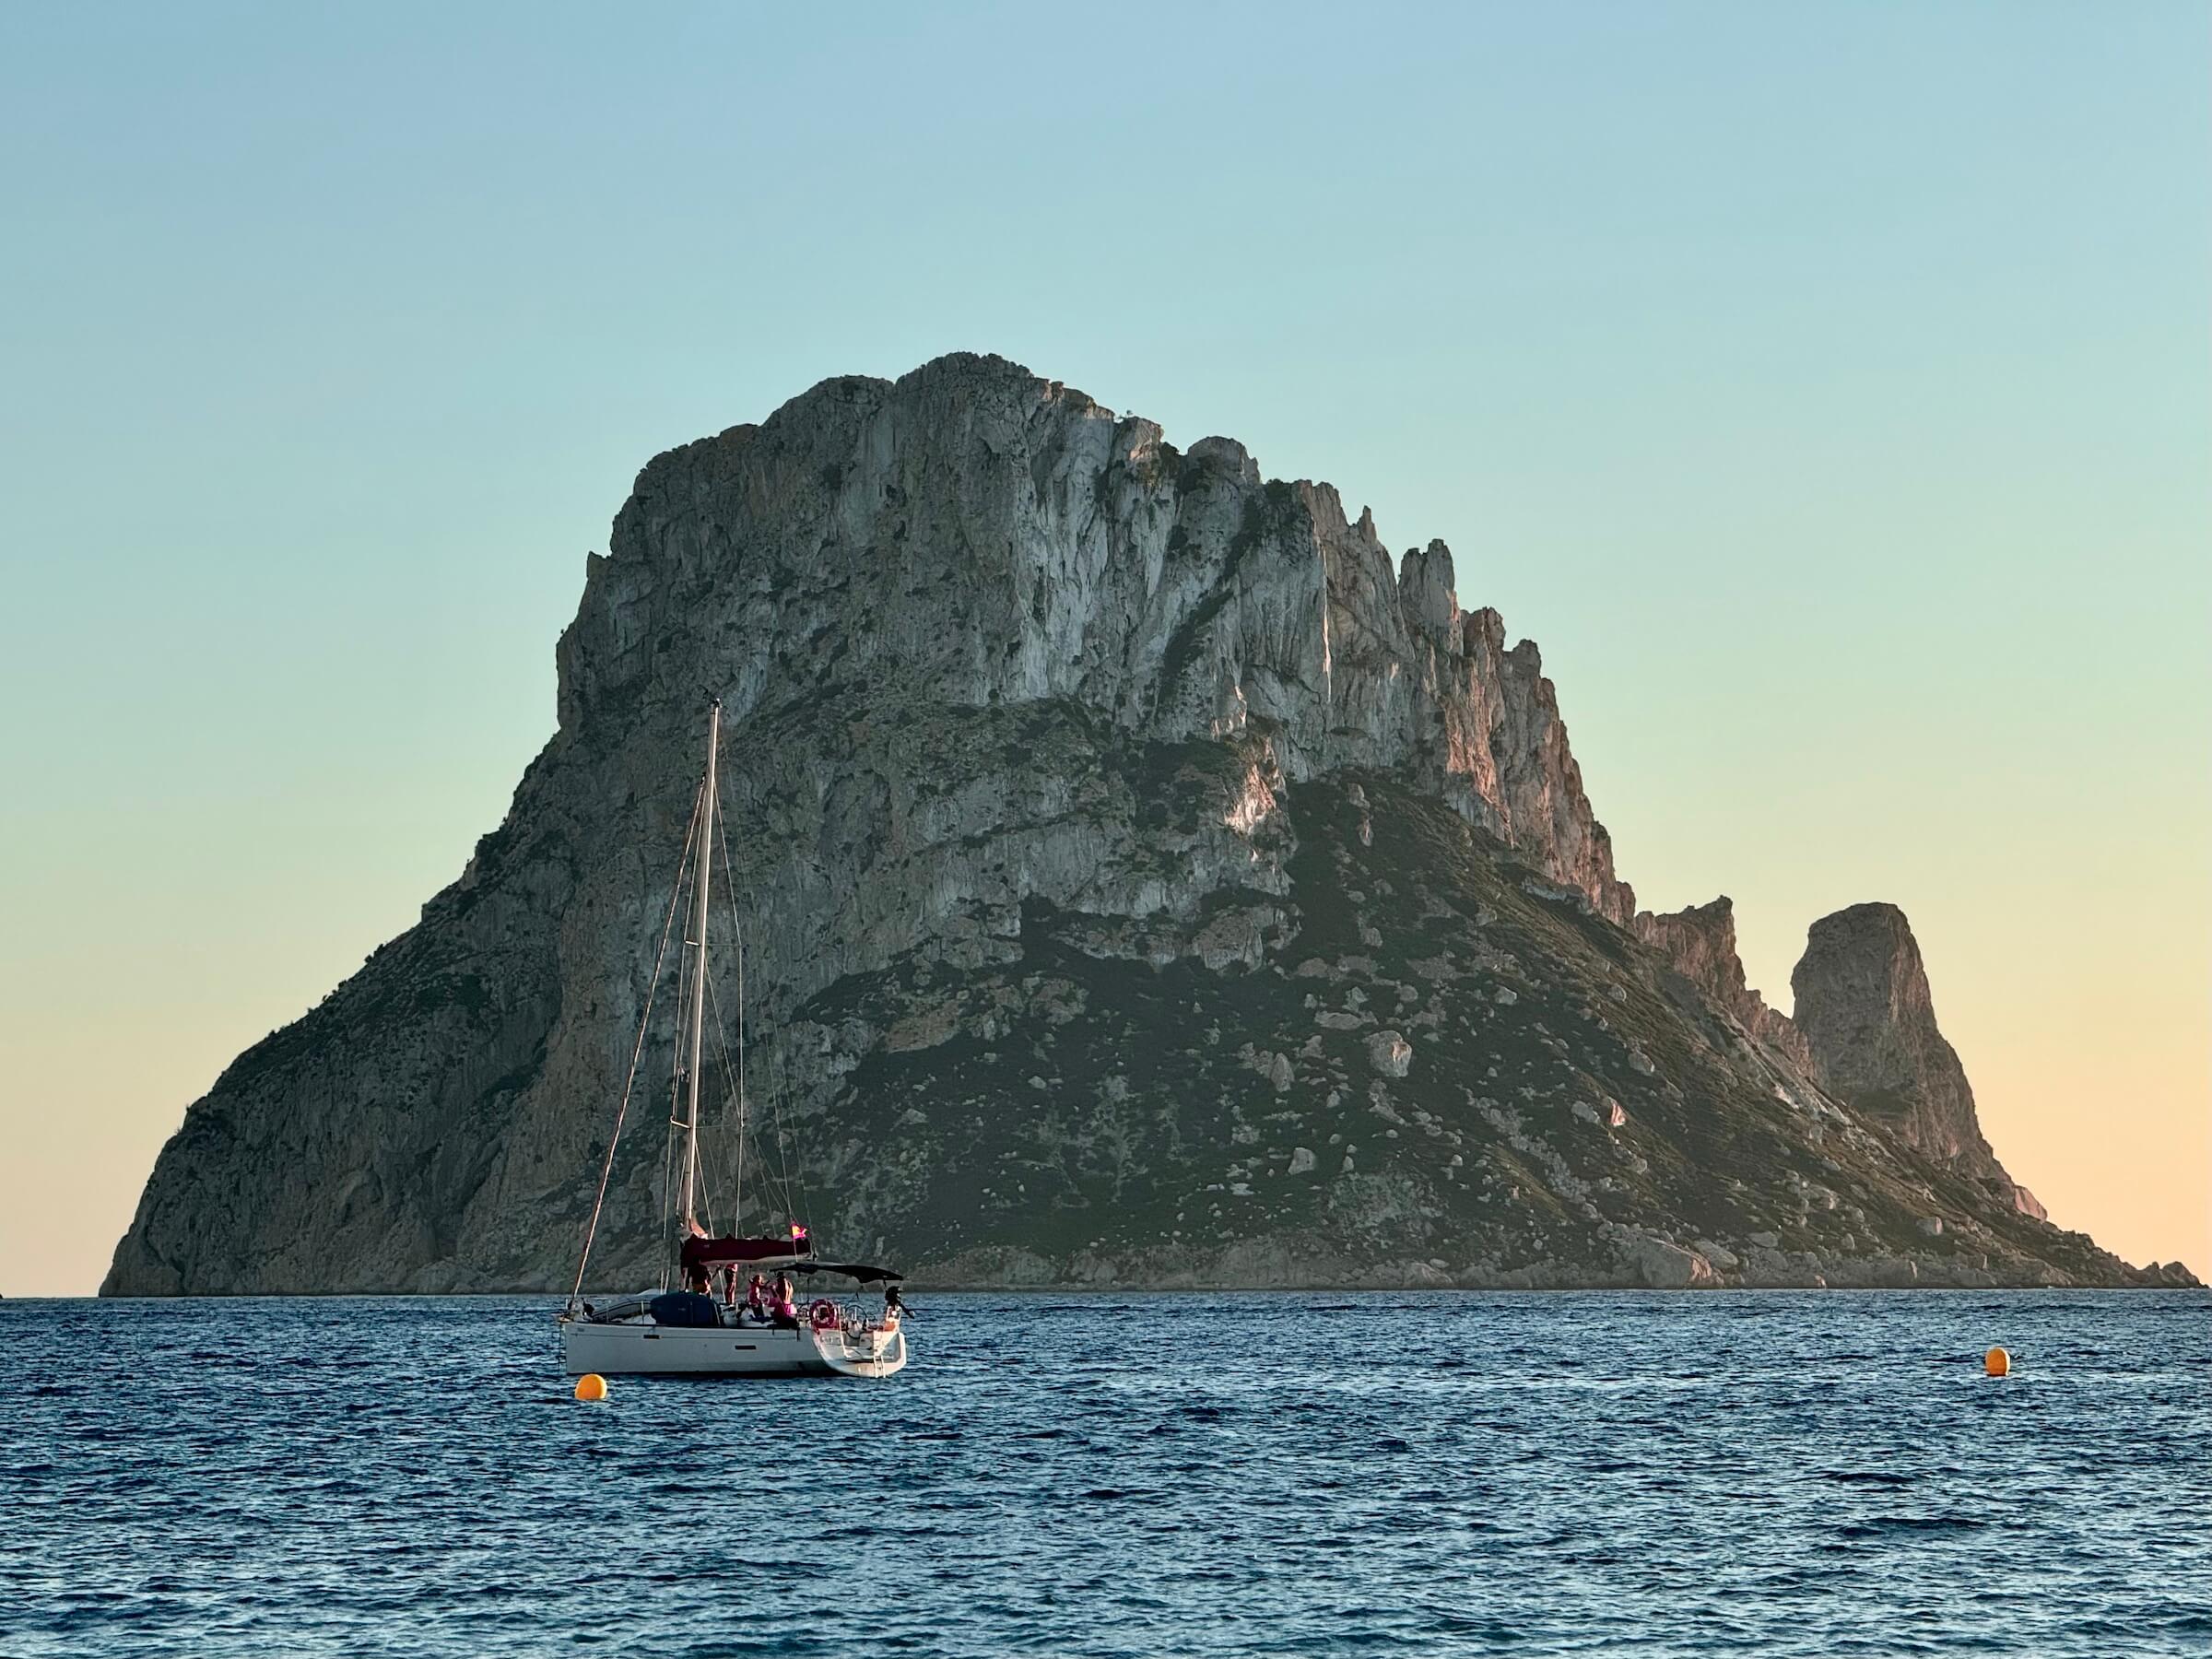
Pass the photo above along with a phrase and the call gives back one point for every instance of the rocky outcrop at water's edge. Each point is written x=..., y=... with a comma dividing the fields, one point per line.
x=1147, y=880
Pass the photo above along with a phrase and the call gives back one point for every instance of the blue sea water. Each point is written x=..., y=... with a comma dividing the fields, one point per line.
x=1803, y=1474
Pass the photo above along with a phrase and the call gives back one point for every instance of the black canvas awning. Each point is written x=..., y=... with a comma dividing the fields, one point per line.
x=852, y=1270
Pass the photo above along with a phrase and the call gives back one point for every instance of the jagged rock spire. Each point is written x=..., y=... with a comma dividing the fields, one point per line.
x=1863, y=1002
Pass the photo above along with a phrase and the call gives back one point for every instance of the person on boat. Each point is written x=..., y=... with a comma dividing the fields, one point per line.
x=894, y=1307
x=787, y=1307
x=756, y=1300
x=698, y=1277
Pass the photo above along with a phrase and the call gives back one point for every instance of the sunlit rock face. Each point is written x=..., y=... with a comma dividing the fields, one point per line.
x=1864, y=1005
x=1865, y=1028
x=975, y=539
x=1700, y=943
x=1144, y=879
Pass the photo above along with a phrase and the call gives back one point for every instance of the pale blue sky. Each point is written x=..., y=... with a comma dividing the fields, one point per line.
x=1826, y=388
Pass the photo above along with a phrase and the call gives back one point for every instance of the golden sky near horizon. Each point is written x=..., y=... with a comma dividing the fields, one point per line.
x=2092, y=1081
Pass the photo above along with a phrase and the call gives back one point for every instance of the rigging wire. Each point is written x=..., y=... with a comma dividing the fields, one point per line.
x=706, y=1152
x=732, y=1076
x=722, y=1047
x=706, y=1156
x=739, y=1175
x=697, y=865
x=607, y=1165
x=668, y=1189
x=683, y=981
x=776, y=1100
x=735, y=1069
x=706, y=1185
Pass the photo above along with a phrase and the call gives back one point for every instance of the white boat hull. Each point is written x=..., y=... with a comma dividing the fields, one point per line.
x=649, y=1350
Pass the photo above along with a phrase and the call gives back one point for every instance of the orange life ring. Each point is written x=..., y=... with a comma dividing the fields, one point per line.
x=823, y=1314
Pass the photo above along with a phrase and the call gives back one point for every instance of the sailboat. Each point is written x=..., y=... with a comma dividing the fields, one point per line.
x=681, y=1329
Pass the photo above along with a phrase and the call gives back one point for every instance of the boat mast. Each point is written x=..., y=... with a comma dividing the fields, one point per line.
x=698, y=942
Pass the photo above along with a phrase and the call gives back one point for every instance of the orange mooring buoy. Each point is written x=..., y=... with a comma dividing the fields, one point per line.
x=591, y=1386
x=1997, y=1362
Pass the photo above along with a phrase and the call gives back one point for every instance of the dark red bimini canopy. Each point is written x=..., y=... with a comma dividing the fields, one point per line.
x=705, y=1254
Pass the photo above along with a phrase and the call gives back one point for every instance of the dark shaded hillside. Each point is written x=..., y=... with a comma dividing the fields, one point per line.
x=1443, y=1070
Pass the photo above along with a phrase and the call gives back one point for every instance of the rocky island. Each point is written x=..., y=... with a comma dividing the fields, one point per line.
x=1147, y=880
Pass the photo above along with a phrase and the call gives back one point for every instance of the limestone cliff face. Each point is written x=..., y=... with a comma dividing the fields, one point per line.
x=1864, y=1005
x=1142, y=880
x=973, y=538
x=1869, y=1036
x=1700, y=943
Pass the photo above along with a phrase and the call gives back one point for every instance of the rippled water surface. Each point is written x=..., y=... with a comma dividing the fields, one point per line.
x=1815, y=1473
